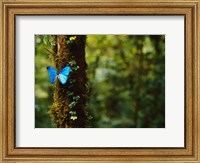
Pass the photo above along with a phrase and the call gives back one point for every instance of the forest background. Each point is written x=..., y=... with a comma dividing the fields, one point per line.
x=126, y=80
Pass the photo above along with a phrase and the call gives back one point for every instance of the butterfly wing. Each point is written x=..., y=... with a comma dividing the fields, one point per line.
x=63, y=75
x=65, y=71
x=52, y=74
x=62, y=78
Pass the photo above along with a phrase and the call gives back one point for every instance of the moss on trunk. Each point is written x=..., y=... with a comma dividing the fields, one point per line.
x=68, y=109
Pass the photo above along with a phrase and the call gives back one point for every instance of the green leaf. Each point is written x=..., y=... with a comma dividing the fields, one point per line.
x=76, y=98
x=72, y=104
x=46, y=39
x=75, y=68
x=72, y=62
x=72, y=113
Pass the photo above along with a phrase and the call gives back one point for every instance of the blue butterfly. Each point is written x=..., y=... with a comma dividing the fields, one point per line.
x=62, y=75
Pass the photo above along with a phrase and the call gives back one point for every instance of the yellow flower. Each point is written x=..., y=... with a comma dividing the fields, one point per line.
x=72, y=38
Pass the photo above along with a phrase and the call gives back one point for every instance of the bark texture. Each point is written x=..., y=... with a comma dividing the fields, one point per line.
x=68, y=109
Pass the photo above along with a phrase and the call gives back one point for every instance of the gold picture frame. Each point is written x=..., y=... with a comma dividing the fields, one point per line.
x=189, y=8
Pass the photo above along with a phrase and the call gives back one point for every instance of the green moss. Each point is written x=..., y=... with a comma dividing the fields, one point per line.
x=70, y=97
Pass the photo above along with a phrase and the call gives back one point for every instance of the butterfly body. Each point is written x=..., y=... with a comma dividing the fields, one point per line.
x=62, y=75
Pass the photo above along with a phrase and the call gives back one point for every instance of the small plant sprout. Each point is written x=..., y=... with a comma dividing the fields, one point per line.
x=75, y=68
x=72, y=113
x=76, y=98
x=72, y=62
x=72, y=104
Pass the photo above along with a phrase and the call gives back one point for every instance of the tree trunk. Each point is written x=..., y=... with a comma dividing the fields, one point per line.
x=68, y=109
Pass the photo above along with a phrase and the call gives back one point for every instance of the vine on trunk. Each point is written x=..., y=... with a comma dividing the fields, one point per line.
x=69, y=106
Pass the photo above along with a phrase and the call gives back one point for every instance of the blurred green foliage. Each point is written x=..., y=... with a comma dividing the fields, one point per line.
x=126, y=81
x=43, y=88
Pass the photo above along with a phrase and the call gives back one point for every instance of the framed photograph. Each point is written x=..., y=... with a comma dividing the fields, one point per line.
x=91, y=81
